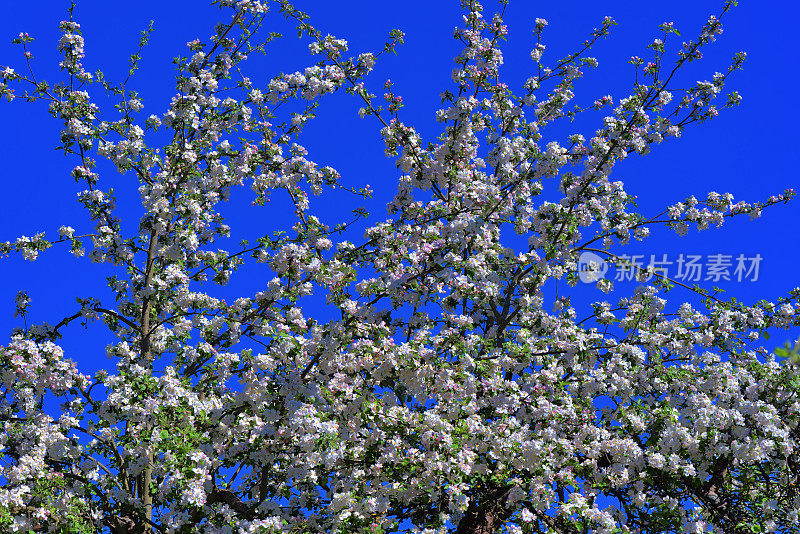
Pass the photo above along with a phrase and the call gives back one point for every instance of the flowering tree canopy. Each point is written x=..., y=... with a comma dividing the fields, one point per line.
x=419, y=376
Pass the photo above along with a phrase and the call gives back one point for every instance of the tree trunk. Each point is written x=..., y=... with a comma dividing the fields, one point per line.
x=487, y=512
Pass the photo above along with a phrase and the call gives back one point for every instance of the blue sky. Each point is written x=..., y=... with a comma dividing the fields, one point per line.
x=748, y=151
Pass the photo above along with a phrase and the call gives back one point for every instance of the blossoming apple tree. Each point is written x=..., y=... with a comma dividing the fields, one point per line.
x=446, y=393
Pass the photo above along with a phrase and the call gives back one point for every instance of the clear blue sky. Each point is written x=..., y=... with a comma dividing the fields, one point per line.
x=749, y=151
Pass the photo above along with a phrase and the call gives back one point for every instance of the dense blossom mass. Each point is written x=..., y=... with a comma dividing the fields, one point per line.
x=441, y=390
